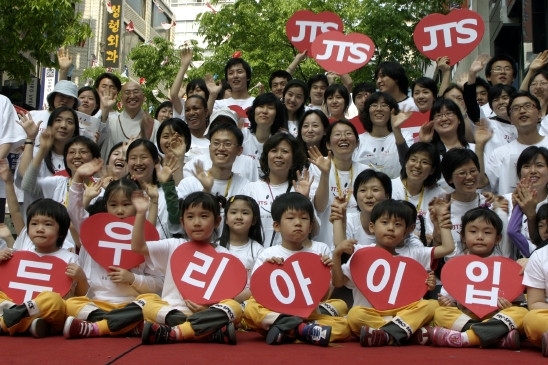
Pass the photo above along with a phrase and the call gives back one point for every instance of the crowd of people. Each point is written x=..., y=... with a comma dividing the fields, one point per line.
x=310, y=166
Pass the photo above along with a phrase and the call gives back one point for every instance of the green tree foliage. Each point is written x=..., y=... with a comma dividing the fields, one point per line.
x=146, y=60
x=257, y=29
x=36, y=28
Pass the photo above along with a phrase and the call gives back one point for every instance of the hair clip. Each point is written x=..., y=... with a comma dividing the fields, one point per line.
x=231, y=200
x=421, y=213
x=485, y=205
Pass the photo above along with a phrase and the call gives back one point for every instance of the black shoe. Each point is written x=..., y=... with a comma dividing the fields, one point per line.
x=158, y=333
x=227, y=334
x=276, y=336
x=40, y=328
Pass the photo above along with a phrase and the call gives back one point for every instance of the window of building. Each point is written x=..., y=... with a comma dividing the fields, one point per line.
x=138, y=5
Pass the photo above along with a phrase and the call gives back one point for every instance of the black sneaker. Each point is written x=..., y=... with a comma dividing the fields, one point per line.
x=276, y=336
x=316, y=334
x=39, y=328
x=158, y=333
x=227, y=334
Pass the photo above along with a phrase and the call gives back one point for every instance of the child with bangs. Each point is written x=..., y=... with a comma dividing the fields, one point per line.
x=482, y=235
x=391, y=221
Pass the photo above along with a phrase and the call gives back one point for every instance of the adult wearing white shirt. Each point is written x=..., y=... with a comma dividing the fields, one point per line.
x=196, y=117
x=390, y=77
x=500, y=169
x=108, y=84
x=500, y=69
x=294, y=96
x=317, y=84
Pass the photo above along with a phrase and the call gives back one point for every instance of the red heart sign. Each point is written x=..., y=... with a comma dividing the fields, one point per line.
x=388, y=281
x=304, y=26
x=294, y=288
x=27, y=274
x=107, y=239
x=341, y=53
x=480, y=282
x=358, y=124
x=454, y=35
x=242, y=113
x=206, y=276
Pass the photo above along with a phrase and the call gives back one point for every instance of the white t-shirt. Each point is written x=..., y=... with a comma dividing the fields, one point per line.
x=501, y=166
x=10, y=132
x=543, y=127
x=293, y=127
x=355, y=231
x=277, y=251
x=182, y=115
x=536, y=271
x=408, y=104
x=240, y=106
x=198, y=147
x=502, y=135
x=381, y=154
x=247, y=254
x=320, y=248
x=252, y=147
x=326, y=229
x=458, y=209
x=424, y=255
x=102, y=288
x=487, y=111
x=160, y=253
x=264, y=194
x=243, y=166
x=23, y=242
x=192, y=184
x=398, y=193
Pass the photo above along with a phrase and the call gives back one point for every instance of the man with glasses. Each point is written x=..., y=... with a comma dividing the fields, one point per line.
x=225, y=145
x=132, y=122
x=500, y=69
x=500, y=169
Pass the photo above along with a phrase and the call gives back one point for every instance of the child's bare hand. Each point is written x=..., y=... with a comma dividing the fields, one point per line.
x=431, y=281
x=346, y=246
x=121, y=276
x=75, y=272
x=445, y=301
x=140, y=201
x=503, y=303
x=275, y=260
x=5, y=254
x=326, y=260
x=195, y=308
x=502, y=203
x=93, y=190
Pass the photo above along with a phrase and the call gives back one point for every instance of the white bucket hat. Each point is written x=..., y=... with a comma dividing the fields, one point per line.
x=224, y=112
x=67, y=88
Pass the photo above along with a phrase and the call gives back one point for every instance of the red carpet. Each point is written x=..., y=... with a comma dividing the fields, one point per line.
x=250, y=349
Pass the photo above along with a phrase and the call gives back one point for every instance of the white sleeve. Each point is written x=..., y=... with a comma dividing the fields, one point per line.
x=491, y=170
x=533, y=276
x=159, y=252
x=75, y=207
x=188, y=186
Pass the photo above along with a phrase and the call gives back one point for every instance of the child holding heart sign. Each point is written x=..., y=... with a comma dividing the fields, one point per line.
x=482, y=231
x=172, y=318
x=391, y=222
x=48, y=224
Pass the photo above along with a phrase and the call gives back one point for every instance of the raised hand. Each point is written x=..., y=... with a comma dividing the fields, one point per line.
x=479, y=63
x=461, y=79
x=107, y=98
x=5, y=172
x=397, y=120
x=151, y=190
x=169, y=166
x=140, y=201
x=186, y=55
x=443, y=63
x=89, y=168
x=302, y=185
x=482, y=135
x=177, y=146
x=316, y=158
x=426, y=132
x=331, y=76
x=64, y=59
x=203, y=176
x=539, y=62
x=212, y=85
x=526, y=198
x=301, y=56
x=46, y=139
x=91, y=192
x=443, y=213
x=31, y=128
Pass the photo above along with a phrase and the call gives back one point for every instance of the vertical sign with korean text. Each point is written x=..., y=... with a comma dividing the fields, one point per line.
x=113, y=35
x=49, y=79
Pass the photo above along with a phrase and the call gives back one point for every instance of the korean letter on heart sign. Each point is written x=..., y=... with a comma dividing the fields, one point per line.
x=206, y=276
x=387, y=281
x=341, y=53
x=477, y=283
x=294, y=288
x=27, y=274
x=454, y=35
x=304, y=26
x=107, y=239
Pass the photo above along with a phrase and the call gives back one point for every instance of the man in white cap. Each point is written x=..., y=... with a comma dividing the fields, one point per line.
x=132, y=122
x=243, y=165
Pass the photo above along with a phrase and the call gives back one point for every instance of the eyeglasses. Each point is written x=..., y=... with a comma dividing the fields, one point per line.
x=339, y=135
x=463, y=174
x=225, y=144
x=543, y=84
x=132, y=92
x=501, y=69
x=376, y=106
x=526, y=106
x=448, y=114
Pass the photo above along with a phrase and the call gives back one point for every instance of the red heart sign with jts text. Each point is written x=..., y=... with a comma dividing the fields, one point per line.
x=477, y=283
x=206, y=276
x=107, y=239
x=454, y=35
x=387, y=281
x=294, y=288
x=27, y=274
x=304, y=26
x=341, y=53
